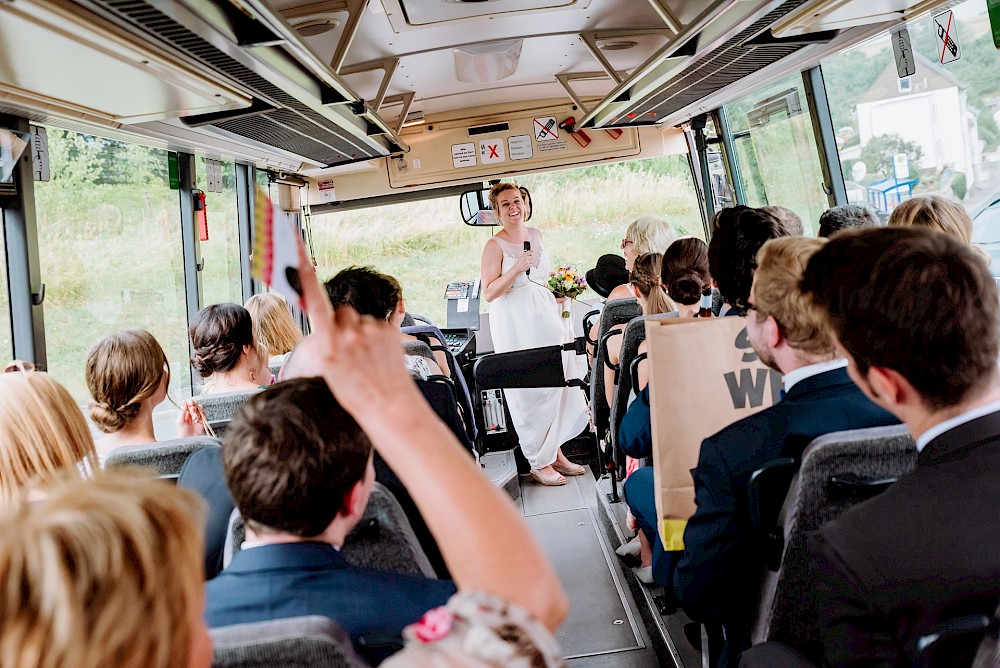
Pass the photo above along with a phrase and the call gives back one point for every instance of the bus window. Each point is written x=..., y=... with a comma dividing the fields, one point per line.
x=934, y=132
x=110, y=253
x=220, y=279
x=776, y=150
x=582, y=214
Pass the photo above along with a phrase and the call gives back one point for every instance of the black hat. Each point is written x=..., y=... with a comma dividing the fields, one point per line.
x=609, y=273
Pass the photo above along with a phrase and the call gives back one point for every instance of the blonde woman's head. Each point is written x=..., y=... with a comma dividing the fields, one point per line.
x=936, y=213
x=123, y=371
x=647, y=234
x=42, y=433
x=273, y=326
x=104, y=572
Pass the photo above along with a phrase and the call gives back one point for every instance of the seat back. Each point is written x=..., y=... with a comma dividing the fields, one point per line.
x=235, y=534
x=632, y=337
x=296, y=642
x=838, y=471
x=616, y=312
x=461, y=388
x=382, y=539
x=165, y=457
x=220, y=408
x=533, y=367
x=439, y=392
x=418, y=348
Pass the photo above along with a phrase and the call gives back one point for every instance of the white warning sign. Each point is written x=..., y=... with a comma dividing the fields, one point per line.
x=463, y=155
x=903, y=53
x=947, y=38
x=545, y=128
x=327, y=191
x=519, y=147
x=491, y=150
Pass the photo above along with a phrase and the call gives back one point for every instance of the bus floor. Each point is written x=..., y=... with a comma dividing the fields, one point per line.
x=605, y=625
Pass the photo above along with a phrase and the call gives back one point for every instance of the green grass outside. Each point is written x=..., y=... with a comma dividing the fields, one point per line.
x=111, y=253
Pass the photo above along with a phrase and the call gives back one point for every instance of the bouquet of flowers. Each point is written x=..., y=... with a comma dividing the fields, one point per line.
x=565, y=282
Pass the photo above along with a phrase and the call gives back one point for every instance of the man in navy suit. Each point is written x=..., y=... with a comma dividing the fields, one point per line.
x=718, y=577
x=918, y=317
x=300, y=471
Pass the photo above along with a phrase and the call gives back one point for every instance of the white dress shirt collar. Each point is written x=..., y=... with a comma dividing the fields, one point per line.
x=947, y=425
x=810, y=370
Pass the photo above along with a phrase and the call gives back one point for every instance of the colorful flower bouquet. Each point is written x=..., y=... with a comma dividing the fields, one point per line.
x=565, y=282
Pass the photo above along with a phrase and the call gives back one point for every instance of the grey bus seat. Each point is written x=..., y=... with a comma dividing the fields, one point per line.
x=295, y=642
x=418, y=348
x=235, y=535
x=220, y=408
x=382, y=539
x=838, y=471
x=165, y=457
x=462, y=389
x=616, y=312
x=632, y=338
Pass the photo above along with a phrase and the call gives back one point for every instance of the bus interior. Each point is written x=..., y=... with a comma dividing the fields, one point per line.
x=164, y=115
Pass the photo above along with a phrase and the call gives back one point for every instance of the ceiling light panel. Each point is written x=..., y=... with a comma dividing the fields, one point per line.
x=426, y=12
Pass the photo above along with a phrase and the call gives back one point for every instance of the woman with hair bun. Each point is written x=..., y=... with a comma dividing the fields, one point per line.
x=225, y=351
x=685, y=276
x=128, y=375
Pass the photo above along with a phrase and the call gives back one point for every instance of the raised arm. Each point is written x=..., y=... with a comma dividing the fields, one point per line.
x=485, y=543
x=494, y=282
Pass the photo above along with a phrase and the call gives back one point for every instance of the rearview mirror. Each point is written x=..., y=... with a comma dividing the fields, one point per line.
x=475, y=207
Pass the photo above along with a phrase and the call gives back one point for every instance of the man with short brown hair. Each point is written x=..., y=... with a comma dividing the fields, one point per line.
x=300, y=470
x=917, y=315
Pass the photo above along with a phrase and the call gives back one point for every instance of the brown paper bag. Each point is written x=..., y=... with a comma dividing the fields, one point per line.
x=704, y=375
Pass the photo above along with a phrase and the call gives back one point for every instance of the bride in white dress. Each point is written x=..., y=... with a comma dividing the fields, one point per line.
x=524, y=314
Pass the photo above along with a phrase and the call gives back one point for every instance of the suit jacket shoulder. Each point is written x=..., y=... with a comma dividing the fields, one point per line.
x=926, y=550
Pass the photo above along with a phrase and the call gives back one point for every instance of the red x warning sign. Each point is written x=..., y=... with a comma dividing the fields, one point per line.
x=491, y=150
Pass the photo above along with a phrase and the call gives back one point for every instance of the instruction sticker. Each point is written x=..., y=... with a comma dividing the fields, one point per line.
x=463, y=155
x=491, y=150
x=545, y=128
x=519, y=147
x=946, y=33
x=903, y=53
x=327, y=193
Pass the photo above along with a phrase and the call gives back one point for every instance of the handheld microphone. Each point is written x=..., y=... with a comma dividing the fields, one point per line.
x=527, y=247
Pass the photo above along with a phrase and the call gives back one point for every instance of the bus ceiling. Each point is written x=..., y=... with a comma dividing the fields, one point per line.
x=315, y=87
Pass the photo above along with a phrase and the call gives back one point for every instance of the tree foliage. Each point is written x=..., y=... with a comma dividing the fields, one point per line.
x=88, y=160
x=877, y=154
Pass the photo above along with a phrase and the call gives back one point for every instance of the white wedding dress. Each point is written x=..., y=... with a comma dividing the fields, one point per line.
x=528, y=316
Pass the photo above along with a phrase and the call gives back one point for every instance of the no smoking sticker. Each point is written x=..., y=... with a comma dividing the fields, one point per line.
x=491, y=150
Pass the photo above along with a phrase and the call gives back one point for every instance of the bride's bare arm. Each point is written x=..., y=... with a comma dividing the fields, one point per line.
x=495, y=283
x=485, y=543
